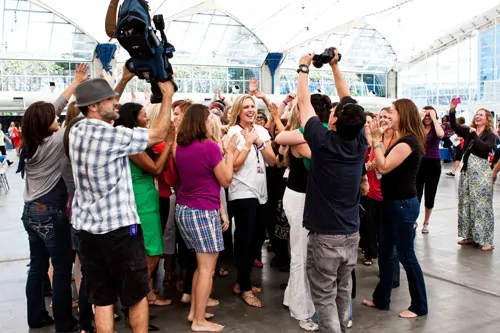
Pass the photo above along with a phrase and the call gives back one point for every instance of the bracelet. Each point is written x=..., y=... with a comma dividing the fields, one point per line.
x=262, y=146
x=285, y=102
x=378, y=145
x=245, y=149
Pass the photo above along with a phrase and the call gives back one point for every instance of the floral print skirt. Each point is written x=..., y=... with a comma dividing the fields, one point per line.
x=475, y=202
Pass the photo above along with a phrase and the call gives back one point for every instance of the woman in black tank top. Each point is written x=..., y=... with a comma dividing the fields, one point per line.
x=301, y=308
x=399, y=167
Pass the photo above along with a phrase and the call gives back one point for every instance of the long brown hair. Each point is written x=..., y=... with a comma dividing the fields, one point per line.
x=193, y=125
x=489, y=118
x=36, y=126
x=410, y=122
x=234, y=117
x=72, y=112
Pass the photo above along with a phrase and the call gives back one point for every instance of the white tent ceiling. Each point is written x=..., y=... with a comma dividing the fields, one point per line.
x=409, y=26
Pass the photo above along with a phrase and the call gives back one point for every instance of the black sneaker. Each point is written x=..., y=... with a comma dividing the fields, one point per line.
x=450, y=174
x=9, y=163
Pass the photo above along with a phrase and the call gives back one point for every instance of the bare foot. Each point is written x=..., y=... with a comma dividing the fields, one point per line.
x=212, y=302
x=206, y=326
x=407, y=314
x=186, y=299
x=368, y=303
x=487, y=247
x=157, y=300
x=207, y=316
x=237, y=290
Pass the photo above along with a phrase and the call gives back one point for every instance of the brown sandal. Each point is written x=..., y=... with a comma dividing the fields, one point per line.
x=251, y=300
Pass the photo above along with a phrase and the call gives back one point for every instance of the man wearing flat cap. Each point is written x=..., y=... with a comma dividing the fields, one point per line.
x=104, y=210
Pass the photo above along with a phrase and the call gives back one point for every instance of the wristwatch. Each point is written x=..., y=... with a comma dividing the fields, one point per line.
x=303, y=69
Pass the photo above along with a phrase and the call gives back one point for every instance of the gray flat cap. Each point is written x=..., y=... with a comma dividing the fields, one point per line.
x=93, y=91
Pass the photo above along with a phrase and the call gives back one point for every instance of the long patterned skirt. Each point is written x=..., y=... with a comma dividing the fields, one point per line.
x=475, y=202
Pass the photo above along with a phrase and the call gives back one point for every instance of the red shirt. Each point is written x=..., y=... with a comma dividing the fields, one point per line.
x=375, y=192
x=168, y=178
x=15, y=137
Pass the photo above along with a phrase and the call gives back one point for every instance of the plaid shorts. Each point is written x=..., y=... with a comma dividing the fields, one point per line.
x=200, y=229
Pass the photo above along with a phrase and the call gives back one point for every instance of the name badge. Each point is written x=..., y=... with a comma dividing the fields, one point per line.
x=260, y=170
x=379, y=175
x=133, y=230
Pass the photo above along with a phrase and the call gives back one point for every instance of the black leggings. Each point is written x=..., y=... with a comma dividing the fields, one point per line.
x=428, y=178
x=250, y=224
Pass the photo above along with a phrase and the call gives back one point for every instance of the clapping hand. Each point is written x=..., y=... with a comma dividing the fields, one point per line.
x=229, y=146
x=377, y=130
x=290, y=97
x=253, y=85
x=273, y=110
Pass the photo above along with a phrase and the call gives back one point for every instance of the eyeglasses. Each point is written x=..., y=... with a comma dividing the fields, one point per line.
x=261, y=118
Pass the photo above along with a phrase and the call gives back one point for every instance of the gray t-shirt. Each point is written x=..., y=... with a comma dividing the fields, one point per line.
x=43, y=169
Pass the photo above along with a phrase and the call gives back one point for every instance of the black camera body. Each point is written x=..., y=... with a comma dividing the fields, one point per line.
x=324, y=58
x=149, y=54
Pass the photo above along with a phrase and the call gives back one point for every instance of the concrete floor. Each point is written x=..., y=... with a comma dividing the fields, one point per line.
x=462, y=282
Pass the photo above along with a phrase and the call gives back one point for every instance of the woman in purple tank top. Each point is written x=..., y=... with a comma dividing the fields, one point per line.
x=430, y=165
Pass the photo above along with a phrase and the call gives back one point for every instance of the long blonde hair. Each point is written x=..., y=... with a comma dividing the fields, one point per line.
x=216, y=128
x=236, y=109
x=489, y=117
x=293, y=124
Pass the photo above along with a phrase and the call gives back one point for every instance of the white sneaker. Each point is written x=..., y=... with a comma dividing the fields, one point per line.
x=308, y=325
x=349, y=324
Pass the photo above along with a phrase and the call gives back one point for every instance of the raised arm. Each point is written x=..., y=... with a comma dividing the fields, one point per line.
x=126, y=77
x=461, y=131
x=340, y=83
x=437, y=127
x=157, y=133
x=80, y=76
x=288, y=138
x=146, y=163
x=275, y=116
x=303, y=95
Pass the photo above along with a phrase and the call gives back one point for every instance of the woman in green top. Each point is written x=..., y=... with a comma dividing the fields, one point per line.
x=144, y=167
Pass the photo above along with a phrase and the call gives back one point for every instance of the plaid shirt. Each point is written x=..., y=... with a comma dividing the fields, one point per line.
x=104, y=200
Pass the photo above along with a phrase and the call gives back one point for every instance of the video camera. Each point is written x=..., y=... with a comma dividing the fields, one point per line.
x=324, y=58
x=149, y=54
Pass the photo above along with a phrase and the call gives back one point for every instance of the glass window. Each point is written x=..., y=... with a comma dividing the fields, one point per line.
x=235, y=73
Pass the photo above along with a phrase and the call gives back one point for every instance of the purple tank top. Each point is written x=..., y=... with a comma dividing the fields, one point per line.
x=432, y=145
